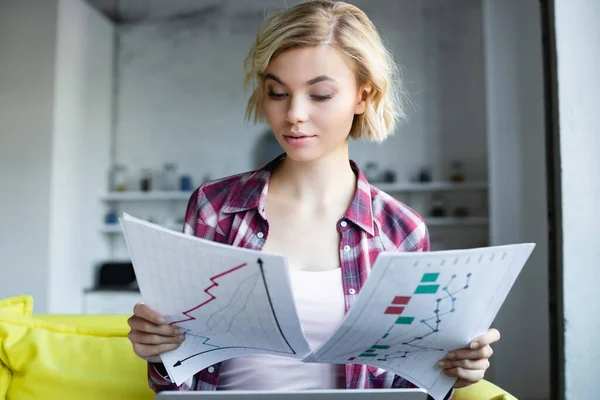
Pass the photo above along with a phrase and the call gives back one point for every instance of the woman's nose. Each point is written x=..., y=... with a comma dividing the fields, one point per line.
x=297, y=111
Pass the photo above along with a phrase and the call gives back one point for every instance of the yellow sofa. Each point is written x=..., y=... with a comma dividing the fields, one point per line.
x=89, y=357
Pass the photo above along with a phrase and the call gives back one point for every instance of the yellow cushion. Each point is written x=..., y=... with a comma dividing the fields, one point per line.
x=106, y=323
x=21, y=306
x=70, y=357
x=482, y=390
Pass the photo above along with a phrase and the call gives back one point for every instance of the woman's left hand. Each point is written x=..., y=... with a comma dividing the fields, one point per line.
x=469, y=364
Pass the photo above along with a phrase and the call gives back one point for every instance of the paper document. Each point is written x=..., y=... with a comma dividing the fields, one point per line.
x=228, y=301
x=413, y=309
x=416, y=307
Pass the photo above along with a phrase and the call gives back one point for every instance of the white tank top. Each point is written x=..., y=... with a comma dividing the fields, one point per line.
x=320, y=303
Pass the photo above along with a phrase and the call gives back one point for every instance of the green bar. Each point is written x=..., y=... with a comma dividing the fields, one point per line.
x=368, y=355
x=376, y=346
x=405, y=320
x=369, y=351
x=430, y=277
x=427, y=289
x=386, y=335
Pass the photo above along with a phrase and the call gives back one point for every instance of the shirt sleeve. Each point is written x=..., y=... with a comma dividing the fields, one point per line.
x=424, y=242
x=190, y=222
x=159, y=380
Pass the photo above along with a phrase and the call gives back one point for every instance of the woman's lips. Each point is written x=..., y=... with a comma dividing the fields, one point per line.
x=298, y=140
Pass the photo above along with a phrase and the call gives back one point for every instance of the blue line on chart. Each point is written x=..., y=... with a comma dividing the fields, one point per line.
x=433, y=327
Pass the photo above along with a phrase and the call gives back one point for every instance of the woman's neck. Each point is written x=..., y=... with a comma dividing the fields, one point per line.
x=327, y=180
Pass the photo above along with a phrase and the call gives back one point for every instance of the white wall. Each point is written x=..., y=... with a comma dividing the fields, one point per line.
x=55, y=119
x=27, y=53
x=80, y=151
x=578, y=57
x=518, y=206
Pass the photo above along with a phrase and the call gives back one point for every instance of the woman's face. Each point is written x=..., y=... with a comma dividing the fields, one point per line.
x=310, y=99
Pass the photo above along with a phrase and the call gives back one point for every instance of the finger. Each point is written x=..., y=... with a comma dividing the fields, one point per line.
x=142, y=325
x=465, y=374
x=148, y=350
x=481, y=364
x=491, y=336
x=143, y=311
x=466, y=354
x=148, y=338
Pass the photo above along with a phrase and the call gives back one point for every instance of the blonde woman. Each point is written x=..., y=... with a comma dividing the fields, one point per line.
x=320, y=76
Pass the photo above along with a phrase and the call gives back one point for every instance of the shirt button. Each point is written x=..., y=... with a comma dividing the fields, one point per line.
x=260, y=235
x=347, y=248
x=211, y=370
x=351, y=291
x=343, y=224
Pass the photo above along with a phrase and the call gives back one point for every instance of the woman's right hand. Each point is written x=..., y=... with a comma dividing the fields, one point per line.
x=151, y=335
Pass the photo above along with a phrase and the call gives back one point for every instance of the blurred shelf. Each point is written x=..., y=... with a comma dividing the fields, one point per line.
x=386, y=187
x=147, y=196
x=430, y=221
x=398, y=187
x=456, y=221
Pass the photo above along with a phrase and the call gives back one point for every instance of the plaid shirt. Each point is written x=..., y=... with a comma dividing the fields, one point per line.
x=232, y=211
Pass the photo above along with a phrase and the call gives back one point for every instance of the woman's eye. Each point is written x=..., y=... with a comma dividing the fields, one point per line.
x=277, y=96
x=319, y=97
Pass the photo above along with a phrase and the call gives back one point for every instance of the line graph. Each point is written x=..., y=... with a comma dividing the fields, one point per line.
x=229, y=301
x=390, y=346
x=227, y=314
x=414, y=305
x=214, y=283
x=224, y=322
x=242, y=293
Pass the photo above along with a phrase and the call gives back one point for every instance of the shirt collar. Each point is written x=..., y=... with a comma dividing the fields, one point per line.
x=253, y=194
x=360, y=211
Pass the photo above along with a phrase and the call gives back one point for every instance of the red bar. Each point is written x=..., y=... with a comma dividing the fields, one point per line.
x=351, y=358
x=394, y=310
x=401, y=300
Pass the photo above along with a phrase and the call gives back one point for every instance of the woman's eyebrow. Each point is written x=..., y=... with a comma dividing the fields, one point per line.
x=318, y=79
x=275, y=78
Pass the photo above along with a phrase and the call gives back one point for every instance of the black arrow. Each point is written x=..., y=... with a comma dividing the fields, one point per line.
x=262, y=273
x=180, y=362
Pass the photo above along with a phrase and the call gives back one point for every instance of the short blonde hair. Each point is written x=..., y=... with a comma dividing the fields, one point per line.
x=347, y=29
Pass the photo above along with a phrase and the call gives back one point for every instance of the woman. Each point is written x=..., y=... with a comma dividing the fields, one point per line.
x=320, y=75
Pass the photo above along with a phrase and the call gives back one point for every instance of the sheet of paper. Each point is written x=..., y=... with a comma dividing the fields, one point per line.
x=415, y=307
x=229, y=301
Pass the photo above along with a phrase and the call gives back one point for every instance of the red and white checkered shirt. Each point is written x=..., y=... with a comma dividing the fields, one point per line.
x=232, y=211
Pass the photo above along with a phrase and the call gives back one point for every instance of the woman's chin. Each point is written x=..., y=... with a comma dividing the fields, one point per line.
x=302, y=155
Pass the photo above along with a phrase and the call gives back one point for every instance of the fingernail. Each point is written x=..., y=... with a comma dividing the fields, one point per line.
x=161, y=320
x=441, y=364
x=182, y=337
x=450, y=355
x=474, y=345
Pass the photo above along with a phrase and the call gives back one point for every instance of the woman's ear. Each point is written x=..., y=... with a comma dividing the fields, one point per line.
x=363, y=96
